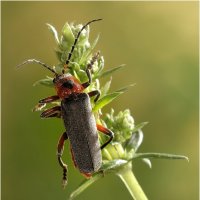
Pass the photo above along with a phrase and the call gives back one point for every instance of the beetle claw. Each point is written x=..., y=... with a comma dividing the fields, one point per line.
x=64, y=181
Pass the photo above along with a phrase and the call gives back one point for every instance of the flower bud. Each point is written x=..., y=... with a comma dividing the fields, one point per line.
x=121, y=124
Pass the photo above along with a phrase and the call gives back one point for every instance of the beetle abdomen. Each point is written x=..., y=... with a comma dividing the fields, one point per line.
x=81, y=129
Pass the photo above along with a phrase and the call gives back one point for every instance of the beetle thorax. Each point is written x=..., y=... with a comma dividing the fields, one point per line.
x=66, y=85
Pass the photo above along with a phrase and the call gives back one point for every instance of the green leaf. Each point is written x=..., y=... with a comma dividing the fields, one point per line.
x=135, y=141
x=112, y=165
x=108, y=167
x=55, y=34
x=106, y=87
x=58, y=54
x=88, y=52
x=110, y=71
x=46, y=82
x=123, y=89
x=105, y=100
x=85, y=184
x=100, y=65
x=160, y=156
x=140, y=126
x=68, y=34
x=147, y=161
x=94, y=43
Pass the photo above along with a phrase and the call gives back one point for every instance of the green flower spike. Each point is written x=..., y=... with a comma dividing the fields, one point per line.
x=120, y=154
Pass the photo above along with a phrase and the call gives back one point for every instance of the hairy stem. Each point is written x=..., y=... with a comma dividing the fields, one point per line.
x=128, y=178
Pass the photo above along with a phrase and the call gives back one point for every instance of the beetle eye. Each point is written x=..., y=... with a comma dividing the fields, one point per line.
x=68, y=84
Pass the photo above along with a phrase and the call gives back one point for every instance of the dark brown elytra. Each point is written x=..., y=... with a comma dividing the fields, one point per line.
x=76, y=113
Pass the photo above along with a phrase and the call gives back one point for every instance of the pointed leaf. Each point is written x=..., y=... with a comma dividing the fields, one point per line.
x=106, y=87
x=112, y=165
x=140, y=126
x=84, y=36
x=55, y=34
x=160, y=156
x=46, y=82
x=110, y=71
x=108, y=167
x=147, y=161
x=106, y=100
x=88, y=52
x=135, y=141
x=95, y=42
x=59, y=55
x=84, y=185
x=68, y=34
x=123, y=89
x=100, y=64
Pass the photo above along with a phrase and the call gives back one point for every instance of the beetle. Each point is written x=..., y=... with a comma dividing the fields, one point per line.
x=76, y=112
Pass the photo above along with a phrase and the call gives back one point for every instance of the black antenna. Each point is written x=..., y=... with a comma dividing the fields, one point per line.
x=38, y=62
x=75, y=41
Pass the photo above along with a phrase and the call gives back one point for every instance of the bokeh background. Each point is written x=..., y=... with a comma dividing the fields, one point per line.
x=158, y=42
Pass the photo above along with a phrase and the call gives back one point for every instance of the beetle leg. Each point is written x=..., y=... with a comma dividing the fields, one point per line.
x=95, y=93
x=39, y=107
x=107, y=132
x=52, y=112
x=49, y=99
x=89, y=68
x=60, y=149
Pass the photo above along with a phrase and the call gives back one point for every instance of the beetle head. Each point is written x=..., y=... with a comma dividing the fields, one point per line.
x=67, y=84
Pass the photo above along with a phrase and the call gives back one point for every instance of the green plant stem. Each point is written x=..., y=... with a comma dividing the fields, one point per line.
x=126, y=174
x=128, y=178
x=86, y=184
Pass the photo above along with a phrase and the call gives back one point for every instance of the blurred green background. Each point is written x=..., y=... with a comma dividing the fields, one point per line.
x=158, y=42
